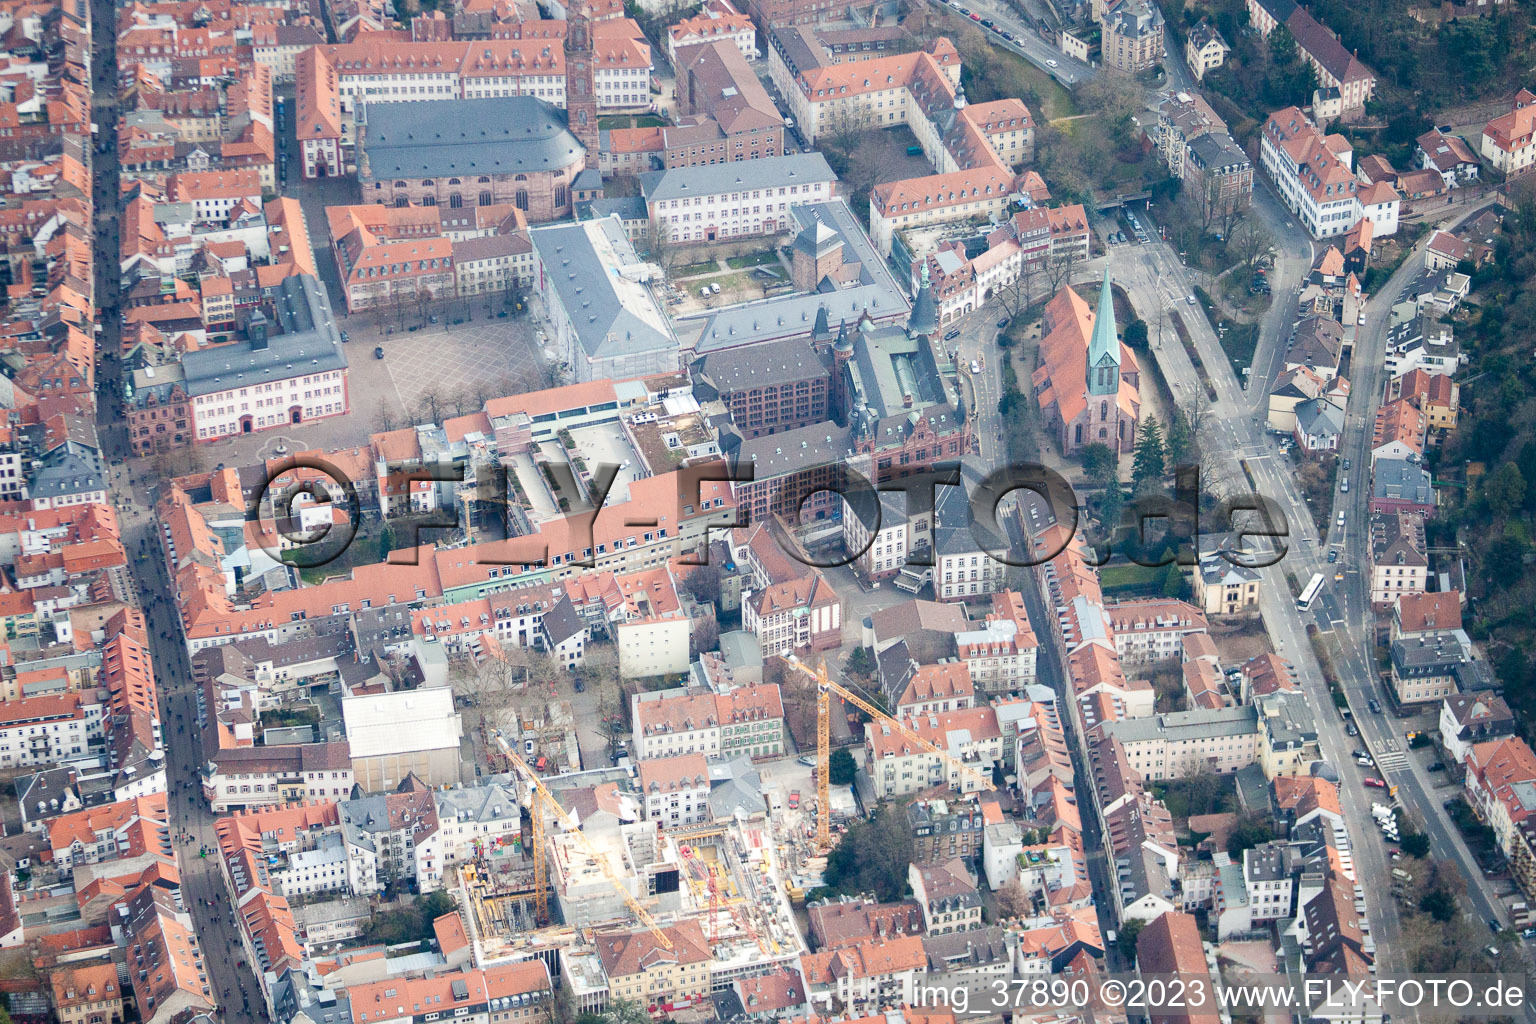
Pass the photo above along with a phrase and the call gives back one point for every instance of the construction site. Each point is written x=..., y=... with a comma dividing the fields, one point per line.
x=601, y=868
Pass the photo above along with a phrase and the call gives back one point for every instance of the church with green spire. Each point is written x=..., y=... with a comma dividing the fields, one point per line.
x=1088, y=385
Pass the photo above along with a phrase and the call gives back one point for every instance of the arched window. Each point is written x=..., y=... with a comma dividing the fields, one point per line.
x=399, y=184
x=521, y=177
x=455, y=201
x=426, y=183
x=485, y=179
x=1103, y=433
x=521, y=199
x=485, y=198
x=1077, y=435
x=399, y=200
x=427, y=201
x=1103, y=410
x=453, y=181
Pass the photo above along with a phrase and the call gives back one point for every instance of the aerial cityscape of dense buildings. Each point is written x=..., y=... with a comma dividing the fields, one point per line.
x=500, y=513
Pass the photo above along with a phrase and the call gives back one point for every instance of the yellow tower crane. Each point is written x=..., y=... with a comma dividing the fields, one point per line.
x=541, y=870
x=825, y=688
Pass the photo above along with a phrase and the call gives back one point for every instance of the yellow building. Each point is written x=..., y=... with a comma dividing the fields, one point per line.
x=642, y=970
x=88, y=994
x=1287, y=735
x=1225, y=588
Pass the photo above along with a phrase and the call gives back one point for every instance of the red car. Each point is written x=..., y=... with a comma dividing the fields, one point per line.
x=1377, y=783
x=794, y=799
x=975, y=17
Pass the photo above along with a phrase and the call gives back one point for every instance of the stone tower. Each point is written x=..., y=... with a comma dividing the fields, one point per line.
x=842, y=355
x=580, y=87
x=924, y=319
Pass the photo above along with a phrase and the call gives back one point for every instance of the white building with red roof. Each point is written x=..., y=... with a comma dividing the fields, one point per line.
x=1314, y=175
x=675, y=789
x=898, y=766
x=1509, y=140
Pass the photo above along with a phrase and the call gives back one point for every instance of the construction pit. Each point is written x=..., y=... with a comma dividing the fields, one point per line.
x=726, y=875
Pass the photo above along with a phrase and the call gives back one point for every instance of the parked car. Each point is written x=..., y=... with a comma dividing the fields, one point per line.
x=794, y=799
x=986, y=22
x=1190, y=298
x=808, y=761
x=952, y=335
x=344, y=337
x=1333, y=555
x=1375, y=706
x=1375, y=783
x=1349, y=727
x=378, y=351
x=1003, y=323
x=1436, y=766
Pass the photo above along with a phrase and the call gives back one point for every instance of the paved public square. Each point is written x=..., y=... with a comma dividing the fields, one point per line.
x=460, y=366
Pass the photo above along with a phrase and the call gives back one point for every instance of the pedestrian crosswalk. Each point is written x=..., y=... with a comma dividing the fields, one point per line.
x=1392, y=761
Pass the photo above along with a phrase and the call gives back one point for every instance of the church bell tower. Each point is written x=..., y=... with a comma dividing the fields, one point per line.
x=580, y=90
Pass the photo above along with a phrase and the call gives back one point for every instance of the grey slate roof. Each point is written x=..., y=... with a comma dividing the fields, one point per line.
x=586, y=284
x=1319, y=417
x=875, y=292
x=1431, y=654
x=482, y=803
x=1402, y=480
x=562, y=622
x=628, y=208
x=736, y=176
x=71, y=468
x=444, y=138
x=790, y=451
x=1216, y=149
x=309, y=343
x=753, y=366
x=1241, y=720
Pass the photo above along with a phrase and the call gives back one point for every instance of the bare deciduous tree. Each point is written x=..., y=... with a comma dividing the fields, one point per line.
x=1014, y=296
x=1059, y=266
x=1247, y=242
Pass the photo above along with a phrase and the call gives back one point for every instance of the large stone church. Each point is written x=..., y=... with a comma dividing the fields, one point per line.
x=1088, y=383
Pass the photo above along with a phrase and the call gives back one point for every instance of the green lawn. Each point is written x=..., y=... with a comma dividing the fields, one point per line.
x=1239, y=341
x=631, y=121
x=1130, y=577
x=1055, y=100
x=695, y=269
x=753, y=259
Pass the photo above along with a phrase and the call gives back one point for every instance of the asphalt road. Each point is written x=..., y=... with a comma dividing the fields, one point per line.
x=1238, y=430
x=204, y=894
x=1156, y=280
x=1026, y=42
x=1350, y=609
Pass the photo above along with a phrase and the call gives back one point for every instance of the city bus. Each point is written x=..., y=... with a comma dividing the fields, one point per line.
x=1310, y=594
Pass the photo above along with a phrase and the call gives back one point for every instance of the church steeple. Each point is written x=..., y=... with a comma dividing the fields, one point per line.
x=924, y=318
x=1104, y=347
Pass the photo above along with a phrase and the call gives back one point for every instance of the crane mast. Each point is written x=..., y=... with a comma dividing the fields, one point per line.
x=825, y=688
x=541, y=870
